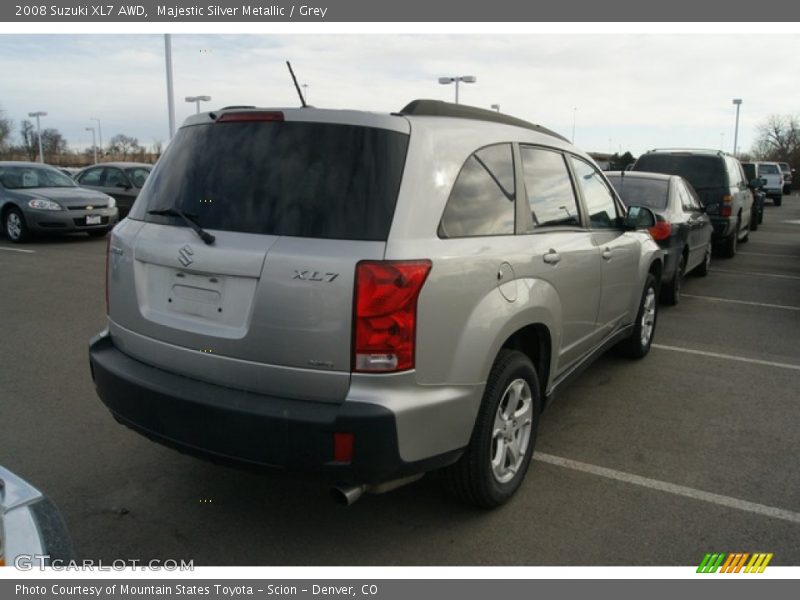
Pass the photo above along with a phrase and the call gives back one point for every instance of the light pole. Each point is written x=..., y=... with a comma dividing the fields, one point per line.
x=197, y=100
x=94, y=144
x=37, y=114
x=99, y=136
x=457, y=80
x=496, y=107
x=170, y=96
x=738, y=103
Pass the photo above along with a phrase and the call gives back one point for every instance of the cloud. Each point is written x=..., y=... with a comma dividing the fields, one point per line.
x=631, y=91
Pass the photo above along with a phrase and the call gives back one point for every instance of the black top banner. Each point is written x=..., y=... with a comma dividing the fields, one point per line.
x=440, y=11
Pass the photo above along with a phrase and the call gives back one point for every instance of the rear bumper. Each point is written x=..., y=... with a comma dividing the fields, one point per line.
x=221, y=423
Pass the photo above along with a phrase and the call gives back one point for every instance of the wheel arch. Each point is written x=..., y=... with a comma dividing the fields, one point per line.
x=535, y=342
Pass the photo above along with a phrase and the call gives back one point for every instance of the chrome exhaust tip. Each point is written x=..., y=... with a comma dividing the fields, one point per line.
x=346, y=495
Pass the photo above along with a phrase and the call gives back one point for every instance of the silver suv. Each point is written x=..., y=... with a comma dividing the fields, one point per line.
x=368, y=297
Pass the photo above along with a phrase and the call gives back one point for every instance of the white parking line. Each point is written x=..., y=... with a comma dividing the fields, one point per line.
x=671, y=488
x=754, y=361
x=18, y=250
x=756, y=273
x=763, y=304
x=795, y=256
x=759, y=242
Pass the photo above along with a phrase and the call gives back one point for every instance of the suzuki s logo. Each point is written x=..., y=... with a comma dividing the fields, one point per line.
x=185, y=255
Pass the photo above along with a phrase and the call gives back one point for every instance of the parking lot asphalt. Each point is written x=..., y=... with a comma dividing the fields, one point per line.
x=651, y=462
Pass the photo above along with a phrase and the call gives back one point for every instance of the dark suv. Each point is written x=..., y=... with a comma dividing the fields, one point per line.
x=720, y=182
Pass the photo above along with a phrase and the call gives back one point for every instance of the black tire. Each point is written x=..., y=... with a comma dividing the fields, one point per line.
x=98, y=232
x=15, y=227
x=473, y=478
x=702, y=268
x=777, y=201
x=754, y=220
x=671, y=290
x=638, y=345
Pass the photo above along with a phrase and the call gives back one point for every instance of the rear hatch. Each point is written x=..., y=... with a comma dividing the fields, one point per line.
x=294, y=204
x=772, y=173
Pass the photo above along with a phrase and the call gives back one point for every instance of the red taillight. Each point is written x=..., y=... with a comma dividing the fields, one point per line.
x=726, y=210
x=661, y=231
x=385, y=318
x=255, y=115
x=343, y=447
x=108, y=249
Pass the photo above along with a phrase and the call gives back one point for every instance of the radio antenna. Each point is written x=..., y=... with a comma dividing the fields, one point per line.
x=297, y=87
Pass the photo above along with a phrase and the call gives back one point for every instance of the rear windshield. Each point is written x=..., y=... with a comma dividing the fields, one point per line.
x=316, y=180
x=768, y=170
x=703, y=172
x=749, y=171
x=636, y=191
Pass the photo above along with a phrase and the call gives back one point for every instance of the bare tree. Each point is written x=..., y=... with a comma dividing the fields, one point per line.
x=30, y=143
x=779, y=139
x=122, y=145
x=158, y=148
x=5, y=130
x=53, y=143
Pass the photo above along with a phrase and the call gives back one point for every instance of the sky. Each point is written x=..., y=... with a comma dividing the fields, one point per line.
x=622, y=92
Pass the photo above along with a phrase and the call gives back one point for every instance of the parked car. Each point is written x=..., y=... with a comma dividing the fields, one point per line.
x=759, y=196
x=369, y=297
x=772, y=175
x=37, y=198
x=788, y=175
x=122, y=180
x=720, y=183
x=683, y=229
x=31, y=528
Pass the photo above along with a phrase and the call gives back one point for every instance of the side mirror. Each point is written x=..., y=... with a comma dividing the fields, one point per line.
x=755, y=184
x=123, y=185
x=762, y=182
x=639, y=217
x=30, y=524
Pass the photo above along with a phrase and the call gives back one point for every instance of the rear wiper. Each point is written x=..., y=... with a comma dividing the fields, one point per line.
x=189, y=219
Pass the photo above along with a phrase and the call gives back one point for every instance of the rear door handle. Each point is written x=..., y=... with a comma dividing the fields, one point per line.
x=607, y=254
x=552, y=257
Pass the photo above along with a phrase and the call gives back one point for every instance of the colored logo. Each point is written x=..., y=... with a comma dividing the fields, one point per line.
x=735, y=562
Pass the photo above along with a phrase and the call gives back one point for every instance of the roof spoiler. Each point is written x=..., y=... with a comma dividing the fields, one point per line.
x=437, y=108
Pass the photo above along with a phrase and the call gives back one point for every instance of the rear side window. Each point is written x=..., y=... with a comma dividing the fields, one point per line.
x=549, y=188
x=735, y=174
x=638, y=191
x=703, y=172
x=482, y=199
x=749, y=171
x=317, y=180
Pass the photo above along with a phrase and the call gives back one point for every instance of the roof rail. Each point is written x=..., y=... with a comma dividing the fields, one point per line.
x=437, y=108
x=703, y=150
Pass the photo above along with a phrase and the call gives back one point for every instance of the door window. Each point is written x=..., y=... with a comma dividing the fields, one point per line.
x=599, y=198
